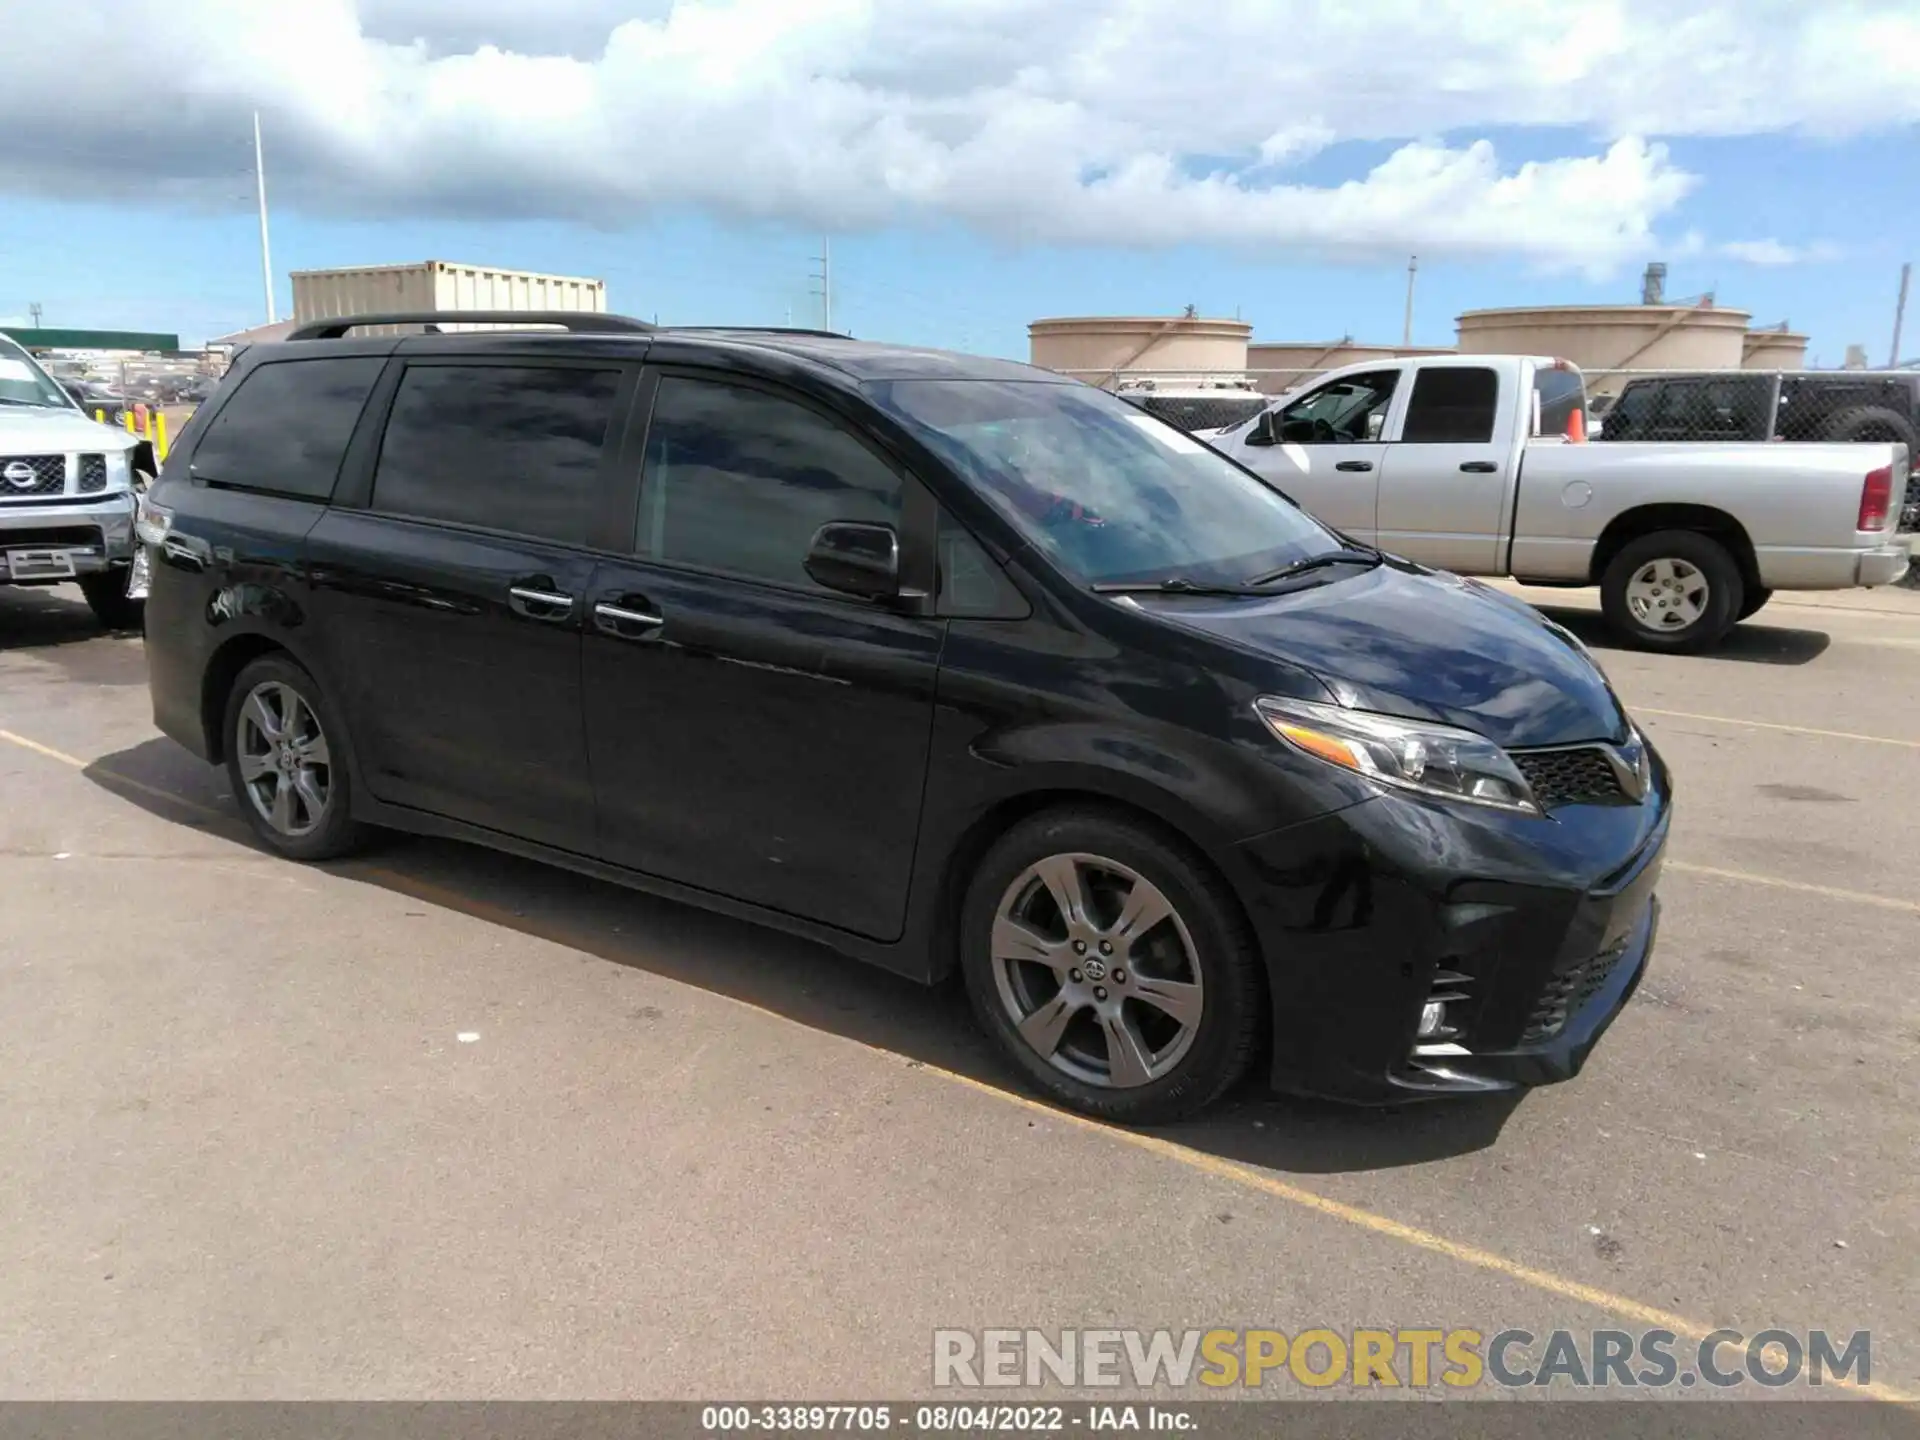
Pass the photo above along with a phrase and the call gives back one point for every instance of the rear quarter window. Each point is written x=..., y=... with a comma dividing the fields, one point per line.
x=285, y=429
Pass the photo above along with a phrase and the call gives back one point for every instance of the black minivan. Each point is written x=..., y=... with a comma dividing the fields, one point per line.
x=948, y=662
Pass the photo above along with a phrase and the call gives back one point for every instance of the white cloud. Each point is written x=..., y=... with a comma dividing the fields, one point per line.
x=1773, y=252
x=1113, y=121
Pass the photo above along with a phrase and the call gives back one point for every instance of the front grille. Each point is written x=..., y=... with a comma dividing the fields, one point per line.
x=93, y=474
x=1201, y=412
x=1579, y=776
x=22, y=475
x=53, y=537
x=1567, y=990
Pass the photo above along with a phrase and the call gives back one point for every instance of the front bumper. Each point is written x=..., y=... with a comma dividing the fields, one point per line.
x=1539, y=929
x=96, y=535
x=1883, y=566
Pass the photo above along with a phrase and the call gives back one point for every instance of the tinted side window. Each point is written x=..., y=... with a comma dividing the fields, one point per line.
x=505, y=447
x=737, y=479
x=284, y=430
x=1561, y=393
x=1452, y=405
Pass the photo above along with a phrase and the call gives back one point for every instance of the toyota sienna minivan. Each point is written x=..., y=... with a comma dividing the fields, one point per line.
x=951, y=663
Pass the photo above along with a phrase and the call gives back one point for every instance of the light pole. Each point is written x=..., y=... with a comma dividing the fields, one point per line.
x=266, y=253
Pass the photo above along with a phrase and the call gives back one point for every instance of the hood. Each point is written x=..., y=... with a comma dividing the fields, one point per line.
x=1402, y=641
x=28, y=431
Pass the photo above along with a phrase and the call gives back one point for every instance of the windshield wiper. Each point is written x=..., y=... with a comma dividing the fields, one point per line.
x=31, y=404
x=1173, y=585
x=1368, y=557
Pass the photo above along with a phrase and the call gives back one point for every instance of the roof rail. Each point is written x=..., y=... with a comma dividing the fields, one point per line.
x=577, y=321
x=763, y=330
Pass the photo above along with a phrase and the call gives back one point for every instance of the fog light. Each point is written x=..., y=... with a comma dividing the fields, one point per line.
x=1433, y=1018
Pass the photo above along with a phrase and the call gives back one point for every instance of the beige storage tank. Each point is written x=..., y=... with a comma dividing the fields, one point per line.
x=1098, y=348
x=1602, y=338
x=436, y=285
x=1774, y=348
x=1279, y=365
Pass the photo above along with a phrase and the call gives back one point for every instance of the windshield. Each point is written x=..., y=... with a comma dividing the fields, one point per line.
x=24, y=383
x=1108, y=492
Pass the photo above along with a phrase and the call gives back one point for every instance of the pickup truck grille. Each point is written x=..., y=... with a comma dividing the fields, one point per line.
x=93, y=474
x=1582, y=775
x=32, y=475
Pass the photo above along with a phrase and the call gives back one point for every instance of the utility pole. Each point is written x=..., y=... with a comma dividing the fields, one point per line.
x=1406, y=325
x=1900, y=313
x=824, y=277
x=266, y=254
x=34, y=311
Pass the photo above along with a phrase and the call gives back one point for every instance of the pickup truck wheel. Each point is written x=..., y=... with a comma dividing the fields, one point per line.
x=107, y=597
x=1756, y=597
x=1677, y=591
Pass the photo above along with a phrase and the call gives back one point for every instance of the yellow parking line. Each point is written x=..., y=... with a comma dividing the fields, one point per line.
x=127, y=781
x=1770, y=725
x=1831, y=892
x=1244, y=1176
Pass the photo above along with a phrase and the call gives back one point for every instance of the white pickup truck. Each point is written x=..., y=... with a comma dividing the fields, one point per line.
x=68, y=490
x=1474, y=464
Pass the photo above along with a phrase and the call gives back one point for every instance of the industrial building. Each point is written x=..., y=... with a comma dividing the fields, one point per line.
x=436, y=285
x=1601, y=339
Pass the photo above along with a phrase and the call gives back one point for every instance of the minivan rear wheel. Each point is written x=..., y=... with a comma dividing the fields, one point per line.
x=1111, y=966
x=287, y=762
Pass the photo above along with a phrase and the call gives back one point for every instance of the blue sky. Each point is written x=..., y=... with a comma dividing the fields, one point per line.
x=966, y=258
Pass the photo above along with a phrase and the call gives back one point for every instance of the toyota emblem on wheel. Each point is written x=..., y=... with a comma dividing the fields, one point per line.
x=20, y=475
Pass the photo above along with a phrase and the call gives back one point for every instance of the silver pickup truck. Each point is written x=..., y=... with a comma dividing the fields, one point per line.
x=68, y=490
x=1475, y=464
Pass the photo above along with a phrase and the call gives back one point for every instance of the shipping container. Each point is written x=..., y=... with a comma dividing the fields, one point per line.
x=435, y=285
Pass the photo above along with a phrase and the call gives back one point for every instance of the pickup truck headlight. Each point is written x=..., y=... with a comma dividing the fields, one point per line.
x=119, y=470
x=1435, y=760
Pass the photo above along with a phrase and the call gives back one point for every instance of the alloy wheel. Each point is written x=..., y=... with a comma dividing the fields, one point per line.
x=1097, y=971
x=1667, y=594
x=285, y=765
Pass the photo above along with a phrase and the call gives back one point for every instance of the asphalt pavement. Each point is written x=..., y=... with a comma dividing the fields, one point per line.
x=440, y=1123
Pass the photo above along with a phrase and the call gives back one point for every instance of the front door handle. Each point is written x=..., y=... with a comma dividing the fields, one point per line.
x=537, y=602
x=633, y=619
x=1480, y=467
x=1354, y=465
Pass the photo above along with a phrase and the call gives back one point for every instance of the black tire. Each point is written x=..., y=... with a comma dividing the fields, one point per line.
x=1872, y=422
x=1756, y=596
x=1720, y=611
x=106, y=594
x=1222, y=955
x=336, y=832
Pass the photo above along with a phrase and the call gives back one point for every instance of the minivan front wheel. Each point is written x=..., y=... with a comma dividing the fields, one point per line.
x=1111, y=967
x=287, y=763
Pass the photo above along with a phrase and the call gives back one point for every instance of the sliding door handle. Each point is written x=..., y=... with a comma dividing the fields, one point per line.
x=539, y=604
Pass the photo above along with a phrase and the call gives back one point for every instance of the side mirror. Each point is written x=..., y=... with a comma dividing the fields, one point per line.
x=1263, y=432
x=1376, y=424
x=856, y=559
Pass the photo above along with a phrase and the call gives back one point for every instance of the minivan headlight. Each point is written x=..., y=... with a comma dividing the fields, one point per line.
x=1436, y=760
